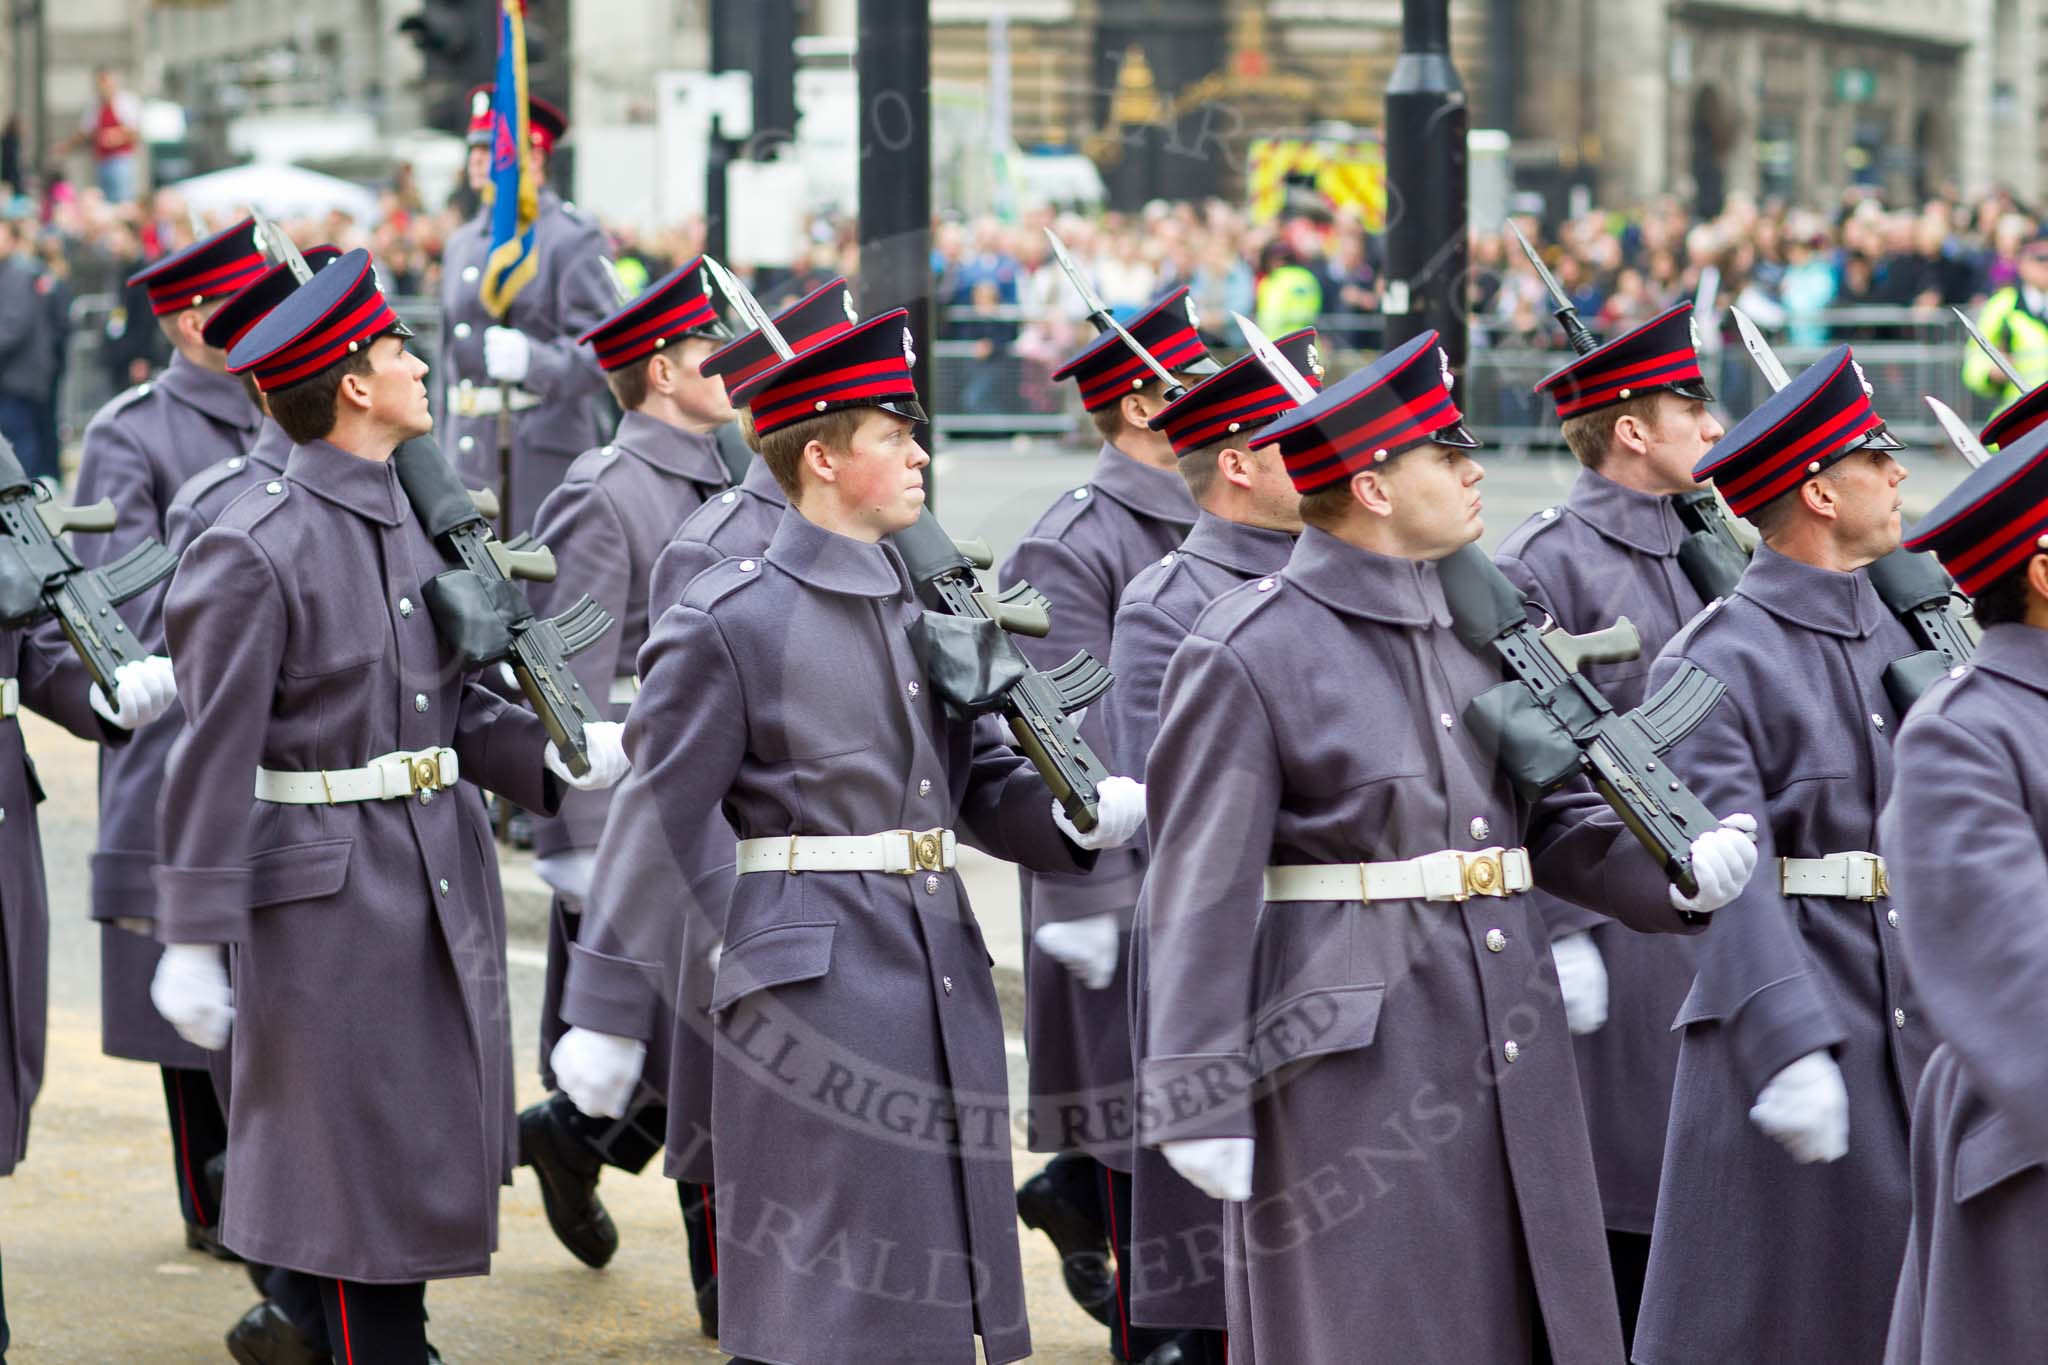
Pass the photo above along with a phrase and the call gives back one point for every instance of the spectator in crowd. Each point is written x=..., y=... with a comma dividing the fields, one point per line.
x=27, y=353
x=57, y=296
x=112, y=126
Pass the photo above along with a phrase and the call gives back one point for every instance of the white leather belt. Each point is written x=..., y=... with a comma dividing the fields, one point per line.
x=1844, y=876
x=389, y=778
x=10, y=697
x=625, y=687
x=469, y=399
x=1450, y=875
x=895, y=850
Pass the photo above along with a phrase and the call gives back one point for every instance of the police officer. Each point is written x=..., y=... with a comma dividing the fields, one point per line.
x=372, y=1114
x=607, y=521
x=139, y=451
x=40, y=671
x=1966, y=833
x=784, y=690
x=1081, y=553
x=1169, y=1302
x=1635, y=415
x=1348, y=1018
x=1800, y=1044
x=531, y=358
x=2015, y=319
x=632, y=916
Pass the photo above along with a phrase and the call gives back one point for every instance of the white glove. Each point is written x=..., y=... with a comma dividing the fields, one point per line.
x=1089, y=948
x=1582, y=978
x=1119, y=811
x=569, y=872
x=190, y=990
x=1219, y=1167
x=507, y=354
x=144, y=689
x=1722, y=860
x=605, y=742
x=598, y=1071
x=1805, y=1108
x=509, y=678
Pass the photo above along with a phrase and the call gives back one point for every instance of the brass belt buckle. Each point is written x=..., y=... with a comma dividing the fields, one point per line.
x=1880, y=880
x=1483, y=875
x=426, y=774
x=927, y=852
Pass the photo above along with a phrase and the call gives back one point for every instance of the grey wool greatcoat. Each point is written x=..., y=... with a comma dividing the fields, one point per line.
x=1967, y=830
x=606, y=523
x=140, y=450
x=569, y=295
x=372, y=1066
x=739, y=521
x=1175, y=1272
x=642, y=947
x=1422, y=1185
x=1802, y=740
x=859, y=1117
x=1081, y=553
x=53, y=683
x=1610, y=552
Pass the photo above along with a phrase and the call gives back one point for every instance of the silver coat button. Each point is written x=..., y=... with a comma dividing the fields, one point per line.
x=931, y=884
x=911, y=688
x=1957, y=671
x=1480, y=829
x=273, y=488
x=728, y=497
x=419, y=701
x=1080, y=495
x=1891, y=917
x=461, y=331
x=405, y=606
x=469, y=272
x=924, y=786
x=444, y=886
x=746, y=566
x=1265, y=585
x=1444, y=719
x=1512, y=1050
x=947, y=982
x=1495, y=940
x=3, y=815
x=1877, y=720
x=1898, y=1018
x=235, y=464
x=466, y=443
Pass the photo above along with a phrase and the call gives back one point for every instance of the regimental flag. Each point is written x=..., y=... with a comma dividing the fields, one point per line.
x=514, y=187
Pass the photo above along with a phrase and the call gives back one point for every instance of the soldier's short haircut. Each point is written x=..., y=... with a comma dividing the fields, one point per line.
x=1109, y=421
x=1591, y=434
x=629, y=383
x=1326, y=508
x=306, y=410
x=252, y=388
x=783, y=448
x=2004, y=599
x=743, y=418
x=1199, y=468
x=1776, y=516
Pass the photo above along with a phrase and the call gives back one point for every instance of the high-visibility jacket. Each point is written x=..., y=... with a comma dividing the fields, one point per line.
x=1289, y=298
x=2022, y=335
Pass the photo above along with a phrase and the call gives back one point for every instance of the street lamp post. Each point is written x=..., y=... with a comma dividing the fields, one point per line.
x=894, y=66
x=1426, y=191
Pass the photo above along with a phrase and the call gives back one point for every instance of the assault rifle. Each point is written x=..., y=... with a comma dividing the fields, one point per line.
x=40, y=577
x=482, y=613
x=1549, y=724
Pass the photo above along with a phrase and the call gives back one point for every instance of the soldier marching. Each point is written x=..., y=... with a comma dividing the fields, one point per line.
x=1362, y=975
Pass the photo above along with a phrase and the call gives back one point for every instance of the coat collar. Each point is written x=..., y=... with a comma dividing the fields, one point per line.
x=1247, y=551
x=2016, y=651
x=1825, y=600
x=219, y=396
x=369, y=488
x=761, y=483
x=1161, y=494
x=272, y=446
x=670, y=449
x=824, y=559
x=1641, y=521
x=1401, y=592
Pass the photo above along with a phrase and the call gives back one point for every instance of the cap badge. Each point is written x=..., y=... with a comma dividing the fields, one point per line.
x=1194, y=317
x=1315, y=361
x=846, y=302
x=1443, y=360
x=909, y=349
x=480, y=104
x=1692, y=325
x=1861, y=377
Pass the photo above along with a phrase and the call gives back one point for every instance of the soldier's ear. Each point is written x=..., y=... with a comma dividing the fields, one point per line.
x=2037, y=578
x=1369, y=490
x=818, y=459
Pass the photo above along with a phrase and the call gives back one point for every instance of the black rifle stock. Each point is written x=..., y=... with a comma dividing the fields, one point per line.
x=1036, y=704
x=1548, y=723
x=483, y=614
x=1918, y=591
x=40, y=577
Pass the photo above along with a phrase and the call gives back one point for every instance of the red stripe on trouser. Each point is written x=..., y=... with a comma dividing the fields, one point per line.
x=1116, y=1283
x=710, y=1230
x=348, y=1346
x=185, y=1157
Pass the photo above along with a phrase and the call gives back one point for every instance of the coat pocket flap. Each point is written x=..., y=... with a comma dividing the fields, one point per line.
x=299, y=872
x=1313, y=1022
x=774, y=956
x=1990, y=1154
x=123, y=884
x=1698, y=1009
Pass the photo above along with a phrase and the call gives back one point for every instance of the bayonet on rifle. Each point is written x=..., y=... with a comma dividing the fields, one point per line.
x=1105, y=321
